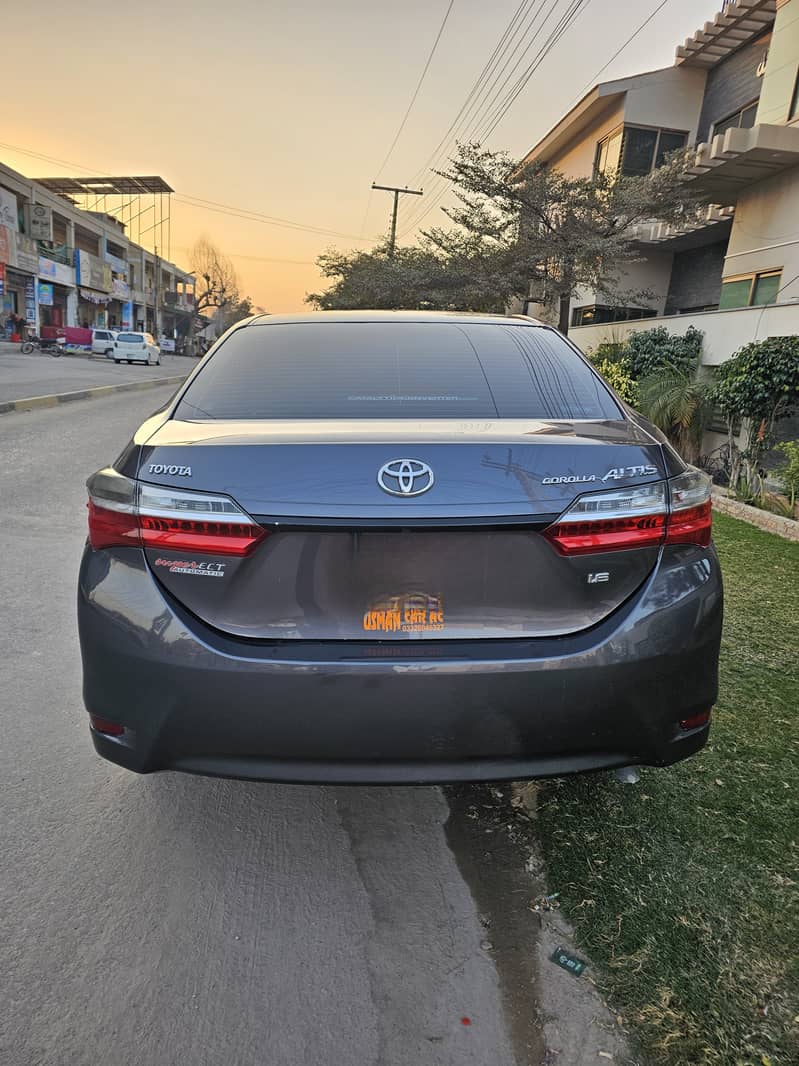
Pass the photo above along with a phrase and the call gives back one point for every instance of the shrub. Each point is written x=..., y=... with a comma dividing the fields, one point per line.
x=619, y=380
x=788, y=472
x=648, y=350
x=608, y=352
x=759, y=383
x=675, y=399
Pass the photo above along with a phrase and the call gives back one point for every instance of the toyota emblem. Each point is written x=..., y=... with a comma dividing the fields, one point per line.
x=405, y=477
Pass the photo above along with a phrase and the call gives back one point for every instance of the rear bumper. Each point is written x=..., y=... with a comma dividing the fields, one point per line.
x=193, y=700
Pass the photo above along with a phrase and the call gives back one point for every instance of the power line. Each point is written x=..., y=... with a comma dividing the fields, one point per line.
x=416, y=90
x=485, y=108
x=260, y=258
x=257, y=216
x=512, y=27
x=618, y=52
x=486, y=80
x=490, y=119
x=195, y=201
x=565, y=24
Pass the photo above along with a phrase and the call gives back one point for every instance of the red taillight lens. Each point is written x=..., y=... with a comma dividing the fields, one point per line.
x=694, y=721
x=108, y=527
x=103, y=725
x=125, y=512
x=190, y=534
x=612, y=520
x=610, y=534
x=673, y=512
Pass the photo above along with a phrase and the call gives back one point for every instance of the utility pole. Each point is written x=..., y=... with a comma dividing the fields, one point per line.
x=392, y=241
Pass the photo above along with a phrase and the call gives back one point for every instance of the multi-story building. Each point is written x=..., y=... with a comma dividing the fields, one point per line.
x=733, y=96
x=66, y=267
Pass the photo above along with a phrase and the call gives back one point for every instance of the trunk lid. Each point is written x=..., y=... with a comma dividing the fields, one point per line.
x=345, y=560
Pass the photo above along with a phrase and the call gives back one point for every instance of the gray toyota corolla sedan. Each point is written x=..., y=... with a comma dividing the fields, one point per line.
x=397, y=547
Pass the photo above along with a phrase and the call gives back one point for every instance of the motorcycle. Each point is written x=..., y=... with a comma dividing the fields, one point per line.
x=54, y=345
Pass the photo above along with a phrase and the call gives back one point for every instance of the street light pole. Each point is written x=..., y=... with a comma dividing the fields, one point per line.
x=392, y=241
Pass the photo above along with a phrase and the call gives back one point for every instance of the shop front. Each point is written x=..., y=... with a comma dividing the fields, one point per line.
x=19, y=262
x=56, y=295
x=94, y=291
x=53, y=306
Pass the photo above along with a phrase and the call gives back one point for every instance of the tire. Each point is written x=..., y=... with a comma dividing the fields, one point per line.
x=117, y=362
x=27, y=348
x=129, y=361
x=109, y=351
x=56, y=353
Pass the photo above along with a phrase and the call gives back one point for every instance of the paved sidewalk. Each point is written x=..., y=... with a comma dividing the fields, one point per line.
x=39, y=374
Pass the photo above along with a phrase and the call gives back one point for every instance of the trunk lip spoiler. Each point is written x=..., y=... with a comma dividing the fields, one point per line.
x=482, y=523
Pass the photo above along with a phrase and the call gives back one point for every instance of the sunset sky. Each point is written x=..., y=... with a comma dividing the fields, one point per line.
x=287, y=108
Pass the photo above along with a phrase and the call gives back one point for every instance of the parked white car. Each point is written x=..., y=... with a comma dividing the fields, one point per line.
x=103, y=341
x=132, y=347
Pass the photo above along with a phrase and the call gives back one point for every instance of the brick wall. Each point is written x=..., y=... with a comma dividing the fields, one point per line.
x=696, y=278
x=731, y=84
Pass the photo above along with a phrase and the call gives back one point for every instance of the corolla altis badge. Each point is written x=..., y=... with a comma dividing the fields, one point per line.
x=162, y=468
x=405, y=477
x=614, y=474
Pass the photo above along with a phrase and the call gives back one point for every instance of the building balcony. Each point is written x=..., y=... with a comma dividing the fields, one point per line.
x=711, y=225
x=737, y=158
x=57, y=253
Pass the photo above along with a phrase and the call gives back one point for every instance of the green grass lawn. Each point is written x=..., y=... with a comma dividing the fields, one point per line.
x=684, y=890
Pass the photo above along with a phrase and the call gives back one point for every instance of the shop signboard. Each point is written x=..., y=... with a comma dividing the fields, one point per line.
x=45, y=293
x=119, y=266
x=8, y=210
x=30, y=302
x=2, y=278
x=82, y=268
x=6, y=245
x=97, y=274
x=120, y=289
x=39, y=221
x=27, y=254
x=127, y=315
x=52, y=271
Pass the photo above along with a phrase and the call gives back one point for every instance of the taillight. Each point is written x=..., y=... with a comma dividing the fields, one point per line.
x=691, y=520
x=665, y=512
x=608, y=521
x=126, y=512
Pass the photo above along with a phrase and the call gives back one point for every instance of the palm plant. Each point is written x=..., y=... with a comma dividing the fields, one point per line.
x=678, y=402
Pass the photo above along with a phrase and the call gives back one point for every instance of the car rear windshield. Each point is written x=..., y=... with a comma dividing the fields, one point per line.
x=343, y=370
x=130, y=338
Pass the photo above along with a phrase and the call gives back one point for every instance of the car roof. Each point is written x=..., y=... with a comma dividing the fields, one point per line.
x=389, y=316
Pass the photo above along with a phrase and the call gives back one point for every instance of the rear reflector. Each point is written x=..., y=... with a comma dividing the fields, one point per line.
x=103, y=725
x=642, y=516
x=694, y=721
x=126, y=512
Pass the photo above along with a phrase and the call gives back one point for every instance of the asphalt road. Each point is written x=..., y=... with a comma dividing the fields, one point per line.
x=38, y=374
x=171, y=919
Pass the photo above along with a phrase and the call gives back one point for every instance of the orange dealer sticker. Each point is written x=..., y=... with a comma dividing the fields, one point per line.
x=416, y=613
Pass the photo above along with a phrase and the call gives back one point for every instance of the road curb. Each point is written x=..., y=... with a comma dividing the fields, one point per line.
x=32, y=403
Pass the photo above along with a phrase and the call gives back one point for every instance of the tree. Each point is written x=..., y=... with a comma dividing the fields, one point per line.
x=412, y=278
x=759, y=384
x=229, y=314
x=217, y=285
x=565, y=234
